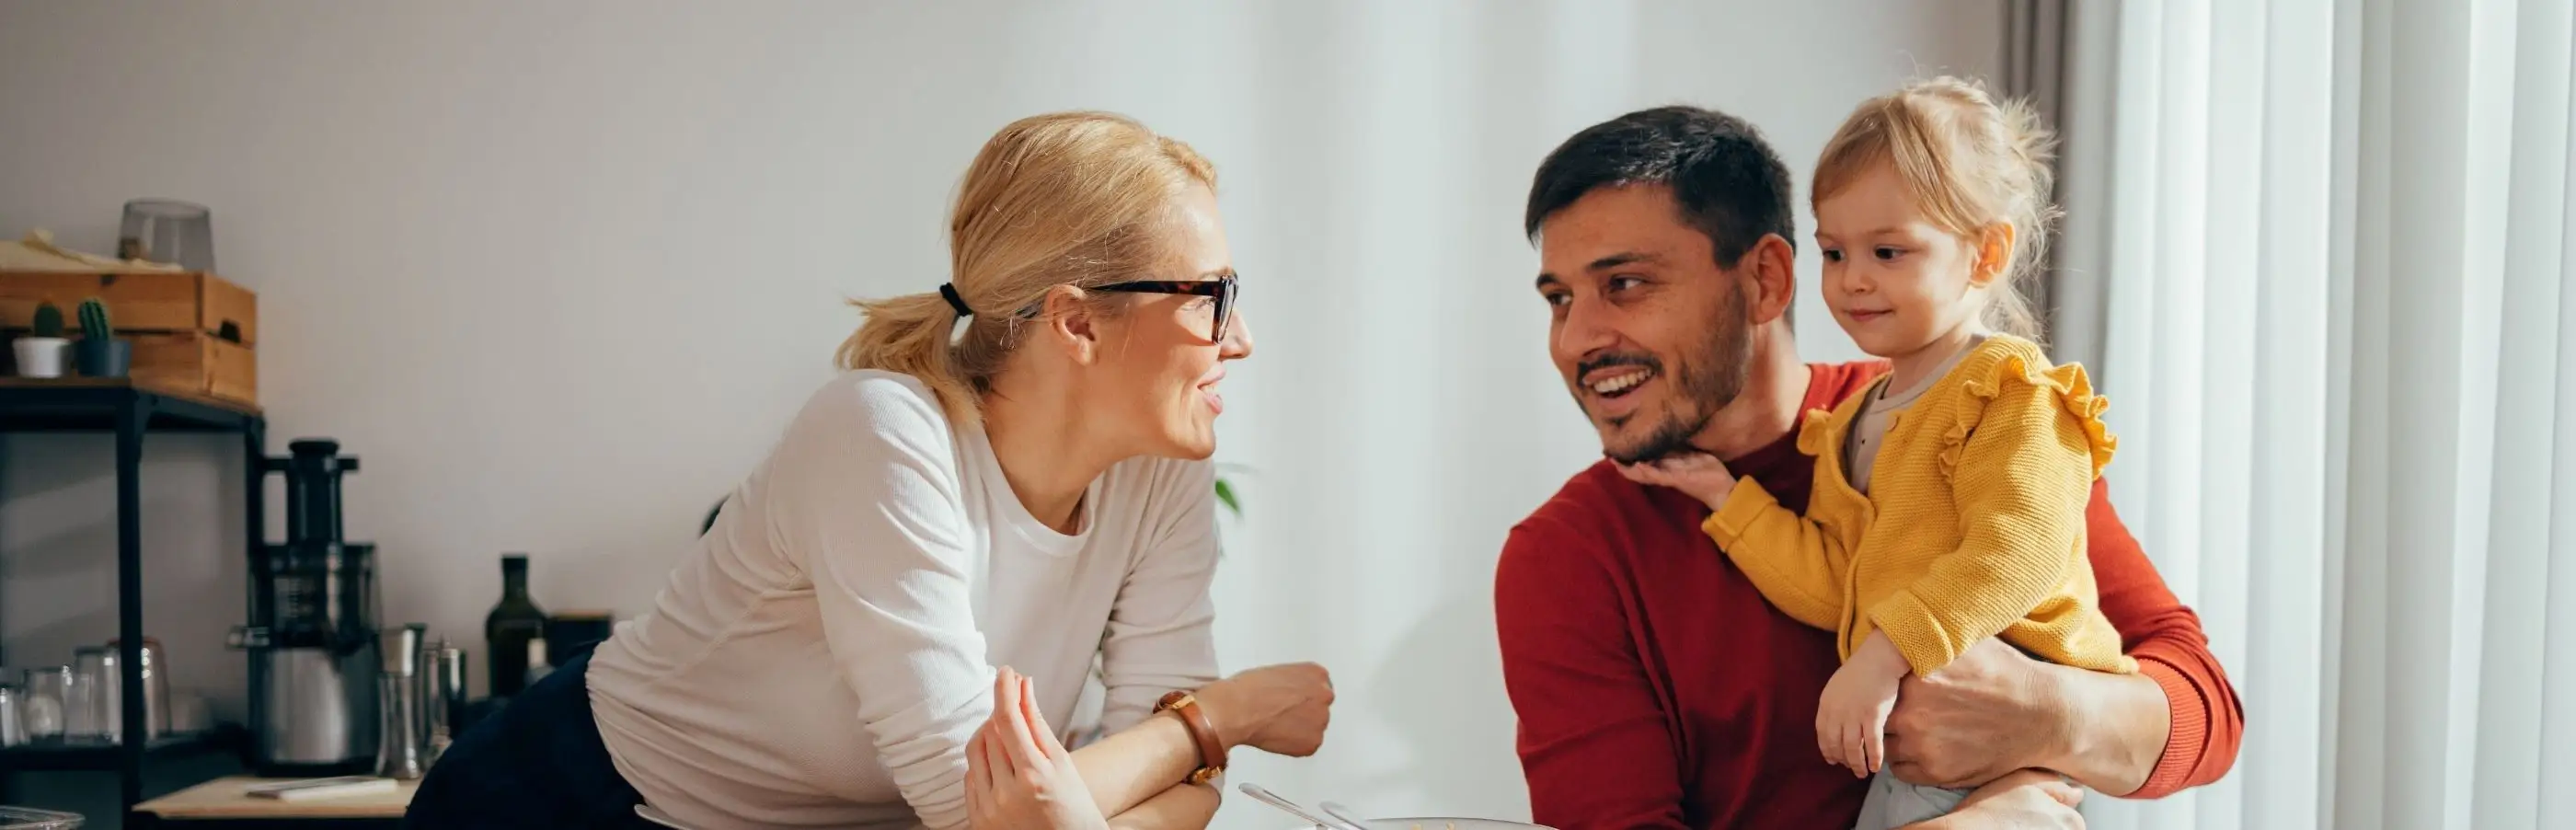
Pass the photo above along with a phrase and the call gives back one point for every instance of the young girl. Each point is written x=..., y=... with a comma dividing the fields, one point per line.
x=1949, y=498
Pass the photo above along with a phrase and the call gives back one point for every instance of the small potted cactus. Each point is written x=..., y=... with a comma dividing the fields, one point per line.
x=40, y=355
x=101, y=353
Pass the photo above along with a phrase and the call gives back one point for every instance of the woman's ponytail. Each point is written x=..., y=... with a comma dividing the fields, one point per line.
x=910, y=335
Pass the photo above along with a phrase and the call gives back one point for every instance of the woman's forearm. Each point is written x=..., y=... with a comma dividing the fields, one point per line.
x=1139, y=763
x=1183, y=807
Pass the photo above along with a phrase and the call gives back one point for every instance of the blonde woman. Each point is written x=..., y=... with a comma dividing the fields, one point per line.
x=1027, y=489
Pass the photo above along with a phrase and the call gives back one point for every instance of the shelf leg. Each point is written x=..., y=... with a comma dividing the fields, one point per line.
x=255, y=524
x=129, y=594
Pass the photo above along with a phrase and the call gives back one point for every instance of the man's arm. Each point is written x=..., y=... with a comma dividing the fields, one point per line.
x=1593, y=741
x=2206, y=721
x=2173, y=725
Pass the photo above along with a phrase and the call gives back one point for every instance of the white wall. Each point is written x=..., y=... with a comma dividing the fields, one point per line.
x=559, y=274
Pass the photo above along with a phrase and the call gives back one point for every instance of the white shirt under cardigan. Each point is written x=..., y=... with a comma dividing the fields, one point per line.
x=825, y=657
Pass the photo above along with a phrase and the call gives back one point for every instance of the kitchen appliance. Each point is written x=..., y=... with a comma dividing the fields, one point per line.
x=313, y=632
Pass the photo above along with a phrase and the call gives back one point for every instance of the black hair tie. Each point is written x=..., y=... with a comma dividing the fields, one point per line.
x=949, y=290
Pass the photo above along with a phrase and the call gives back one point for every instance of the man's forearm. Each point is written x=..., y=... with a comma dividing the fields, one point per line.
x=1183, y=807
x=2115, y=729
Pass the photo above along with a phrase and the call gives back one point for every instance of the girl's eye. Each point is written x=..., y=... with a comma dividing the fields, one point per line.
x=1887, y=253
x=1833, y=254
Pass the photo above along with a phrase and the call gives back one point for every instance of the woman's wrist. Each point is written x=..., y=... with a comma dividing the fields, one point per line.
x=1224, y=710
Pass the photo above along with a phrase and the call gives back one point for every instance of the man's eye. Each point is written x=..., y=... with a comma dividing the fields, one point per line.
x=1624, y=283
x=1557, y=298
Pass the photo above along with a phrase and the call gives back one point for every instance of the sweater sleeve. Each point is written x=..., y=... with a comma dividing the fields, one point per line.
x=864, y=496
x=1797, y=563
x=1161, y=633
x=1594, y=742
x=2208, y=722
x=2024, y=464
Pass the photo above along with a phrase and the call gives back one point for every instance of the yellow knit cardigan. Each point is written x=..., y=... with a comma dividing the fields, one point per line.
x=1973, y=526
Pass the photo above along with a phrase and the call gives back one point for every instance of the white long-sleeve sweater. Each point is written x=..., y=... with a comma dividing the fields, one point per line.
x=824, y=658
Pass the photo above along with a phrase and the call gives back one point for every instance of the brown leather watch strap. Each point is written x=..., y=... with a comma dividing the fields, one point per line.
x=1211, y=750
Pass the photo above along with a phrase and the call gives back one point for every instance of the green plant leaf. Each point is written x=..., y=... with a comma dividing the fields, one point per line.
x=1225, y=494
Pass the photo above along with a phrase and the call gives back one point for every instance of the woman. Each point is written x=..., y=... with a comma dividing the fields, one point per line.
x=1030, y=491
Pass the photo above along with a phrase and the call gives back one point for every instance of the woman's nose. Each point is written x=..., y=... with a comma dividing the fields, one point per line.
x=1238, y=338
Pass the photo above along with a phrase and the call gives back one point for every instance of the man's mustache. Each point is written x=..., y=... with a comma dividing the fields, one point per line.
x=1616, y=359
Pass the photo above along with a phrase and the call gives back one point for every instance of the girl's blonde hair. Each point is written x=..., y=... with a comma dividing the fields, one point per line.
x=1969, y=162
x=1067, y=198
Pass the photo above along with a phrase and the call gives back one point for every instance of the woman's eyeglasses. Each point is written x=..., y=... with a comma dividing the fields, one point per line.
x=1221, y=288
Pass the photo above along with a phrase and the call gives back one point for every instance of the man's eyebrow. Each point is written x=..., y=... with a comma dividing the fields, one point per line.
x=1624, y=258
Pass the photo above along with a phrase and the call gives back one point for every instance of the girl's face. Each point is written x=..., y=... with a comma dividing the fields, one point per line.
x=1895, y=280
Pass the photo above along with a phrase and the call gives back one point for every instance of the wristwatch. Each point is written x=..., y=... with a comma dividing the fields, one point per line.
x=1211, y=750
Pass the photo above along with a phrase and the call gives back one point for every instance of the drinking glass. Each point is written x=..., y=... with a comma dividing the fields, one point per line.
x=167, y=230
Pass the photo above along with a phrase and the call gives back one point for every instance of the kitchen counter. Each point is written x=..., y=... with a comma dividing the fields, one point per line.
x=220, y=803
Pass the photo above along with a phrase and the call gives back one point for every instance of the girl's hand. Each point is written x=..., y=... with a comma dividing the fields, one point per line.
x=1698, y=474
x=1851, y=720
x=1017, y=774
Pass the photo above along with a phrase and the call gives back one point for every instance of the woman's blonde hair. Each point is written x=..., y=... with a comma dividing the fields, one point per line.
x=1969, y=162
x=1067, y=198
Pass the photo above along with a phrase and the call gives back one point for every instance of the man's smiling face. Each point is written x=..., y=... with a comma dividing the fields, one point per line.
x=1650, y=334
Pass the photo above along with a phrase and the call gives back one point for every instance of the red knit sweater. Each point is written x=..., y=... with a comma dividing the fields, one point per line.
x=1656, y=689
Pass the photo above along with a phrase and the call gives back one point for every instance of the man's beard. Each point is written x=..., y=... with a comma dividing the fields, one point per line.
x=1710, y=375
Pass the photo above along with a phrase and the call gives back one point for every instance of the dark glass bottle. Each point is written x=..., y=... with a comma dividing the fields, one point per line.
x=512, y=623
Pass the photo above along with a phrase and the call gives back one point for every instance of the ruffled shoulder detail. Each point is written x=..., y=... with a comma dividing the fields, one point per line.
x=1817, y=433
x=2003, y=361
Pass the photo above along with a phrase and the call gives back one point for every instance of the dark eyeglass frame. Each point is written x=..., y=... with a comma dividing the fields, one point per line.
x=1221, y=288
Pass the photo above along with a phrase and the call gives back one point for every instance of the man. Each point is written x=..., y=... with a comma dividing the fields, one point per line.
x=1654, y=686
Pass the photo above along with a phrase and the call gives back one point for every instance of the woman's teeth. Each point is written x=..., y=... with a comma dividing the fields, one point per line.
x=1622, y=383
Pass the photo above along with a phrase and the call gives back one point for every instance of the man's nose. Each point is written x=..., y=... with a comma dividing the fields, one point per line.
x=1587, y=329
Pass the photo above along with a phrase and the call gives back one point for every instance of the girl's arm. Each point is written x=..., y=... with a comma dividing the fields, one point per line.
x=1798, y=564
x=2021, y=485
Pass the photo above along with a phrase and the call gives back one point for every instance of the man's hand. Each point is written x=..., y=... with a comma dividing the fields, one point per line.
x=2024, y=800
x=1995, y=710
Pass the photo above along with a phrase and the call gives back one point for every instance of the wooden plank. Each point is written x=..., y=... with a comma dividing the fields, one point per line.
x=149, y=301
x=145, y=384
x=226, y=798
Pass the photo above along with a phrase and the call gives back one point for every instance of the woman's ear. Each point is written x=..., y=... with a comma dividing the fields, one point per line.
x=1071, y=321
x=1994, y=253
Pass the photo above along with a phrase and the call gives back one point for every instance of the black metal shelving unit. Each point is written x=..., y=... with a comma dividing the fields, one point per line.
x=132, y=412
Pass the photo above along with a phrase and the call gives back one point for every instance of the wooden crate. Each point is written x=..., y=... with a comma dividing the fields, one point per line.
x=142, y=302
x=193, y=332
x=199, y=363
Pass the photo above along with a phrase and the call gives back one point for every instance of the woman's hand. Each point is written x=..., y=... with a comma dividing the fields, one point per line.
x=1278, y=709
x=1017, y=774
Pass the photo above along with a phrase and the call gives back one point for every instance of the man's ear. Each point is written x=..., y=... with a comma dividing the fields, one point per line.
x=1775, y=278
x=1994, y=252
x=1071, y=322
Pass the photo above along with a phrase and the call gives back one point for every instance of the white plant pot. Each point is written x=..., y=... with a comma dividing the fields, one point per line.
x=41, y=357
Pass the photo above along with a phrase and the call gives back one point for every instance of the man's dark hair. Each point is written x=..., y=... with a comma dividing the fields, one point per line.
x=1726, y=180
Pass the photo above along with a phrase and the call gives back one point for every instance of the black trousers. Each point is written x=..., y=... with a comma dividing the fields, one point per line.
x=538, y=763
